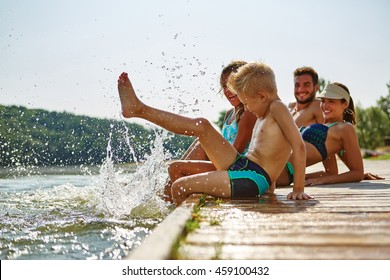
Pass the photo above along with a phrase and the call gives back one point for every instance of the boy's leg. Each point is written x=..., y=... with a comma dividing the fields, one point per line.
x=215, y=183
x=219, y=151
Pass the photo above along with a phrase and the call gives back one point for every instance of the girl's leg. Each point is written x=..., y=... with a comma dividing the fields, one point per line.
x=195, y=152
x=215, y=183
x=182, y=168
x=219, y=151
x=167, y=192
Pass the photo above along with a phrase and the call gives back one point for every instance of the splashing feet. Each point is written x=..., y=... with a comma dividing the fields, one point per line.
x=131, y=105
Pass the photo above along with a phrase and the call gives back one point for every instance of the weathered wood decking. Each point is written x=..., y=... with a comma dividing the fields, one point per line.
x=343, y=221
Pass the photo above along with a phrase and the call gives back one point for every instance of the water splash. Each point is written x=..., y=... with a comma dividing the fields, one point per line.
x=84, y=216
x=137, y=193
x=63, y=223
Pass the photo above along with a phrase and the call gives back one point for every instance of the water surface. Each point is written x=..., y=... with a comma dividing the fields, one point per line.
x=79, y=212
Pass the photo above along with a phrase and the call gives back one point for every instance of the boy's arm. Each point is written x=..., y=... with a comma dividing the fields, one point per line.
x=298, y=156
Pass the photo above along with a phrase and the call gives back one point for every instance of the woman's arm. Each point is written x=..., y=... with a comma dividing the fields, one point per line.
x=368, y=175
x=351, y=157
x=330, y=167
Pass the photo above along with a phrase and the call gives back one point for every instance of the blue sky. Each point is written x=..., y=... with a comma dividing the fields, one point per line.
x=67, y=55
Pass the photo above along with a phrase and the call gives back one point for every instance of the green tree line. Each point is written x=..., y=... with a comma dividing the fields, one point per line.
x=42, y=138
x=373, y=123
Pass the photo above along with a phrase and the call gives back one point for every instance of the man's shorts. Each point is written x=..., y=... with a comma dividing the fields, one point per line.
x=247, y=178
x=290, y=172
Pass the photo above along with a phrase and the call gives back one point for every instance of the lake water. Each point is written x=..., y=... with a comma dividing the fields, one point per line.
x=80, y=212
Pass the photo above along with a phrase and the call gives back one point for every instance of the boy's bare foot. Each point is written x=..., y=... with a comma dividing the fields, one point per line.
x=131, y=105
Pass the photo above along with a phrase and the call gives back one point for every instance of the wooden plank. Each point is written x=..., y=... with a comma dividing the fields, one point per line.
x=344, y=221
x=248, y=252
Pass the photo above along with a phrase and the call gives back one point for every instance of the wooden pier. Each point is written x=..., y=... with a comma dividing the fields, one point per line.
x=343, y=221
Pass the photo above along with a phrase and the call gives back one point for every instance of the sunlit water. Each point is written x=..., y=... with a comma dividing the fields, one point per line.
x=81, y=213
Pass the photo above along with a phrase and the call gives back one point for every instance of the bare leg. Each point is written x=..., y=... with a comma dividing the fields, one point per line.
x=215, y=183
x=196, y=153
x=182, y=168
x=177, y=169
x=283, y=180
x=219, y=151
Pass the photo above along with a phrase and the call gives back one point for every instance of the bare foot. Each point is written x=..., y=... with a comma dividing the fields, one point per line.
x=131, y=105
x=166, y=195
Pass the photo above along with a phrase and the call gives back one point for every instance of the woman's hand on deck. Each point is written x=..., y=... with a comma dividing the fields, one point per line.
x=315, y=181
x=370, y=176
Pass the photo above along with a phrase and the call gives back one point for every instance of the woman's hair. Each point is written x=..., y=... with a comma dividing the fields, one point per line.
x=226, y=71
x=231, y=67
x=349, y=113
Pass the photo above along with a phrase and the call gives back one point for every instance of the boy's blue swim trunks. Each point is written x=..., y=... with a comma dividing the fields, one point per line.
x=247, y=178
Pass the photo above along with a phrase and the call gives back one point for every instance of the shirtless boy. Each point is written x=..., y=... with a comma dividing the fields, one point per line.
x=275, y=137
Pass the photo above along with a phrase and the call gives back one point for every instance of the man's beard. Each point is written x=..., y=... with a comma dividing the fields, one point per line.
x=308, y=100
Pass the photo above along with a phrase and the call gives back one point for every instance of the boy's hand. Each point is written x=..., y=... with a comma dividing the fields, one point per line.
x=298, y=196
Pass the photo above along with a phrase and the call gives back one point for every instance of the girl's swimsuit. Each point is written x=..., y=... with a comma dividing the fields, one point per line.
x=229, y=131
x=247, y=178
